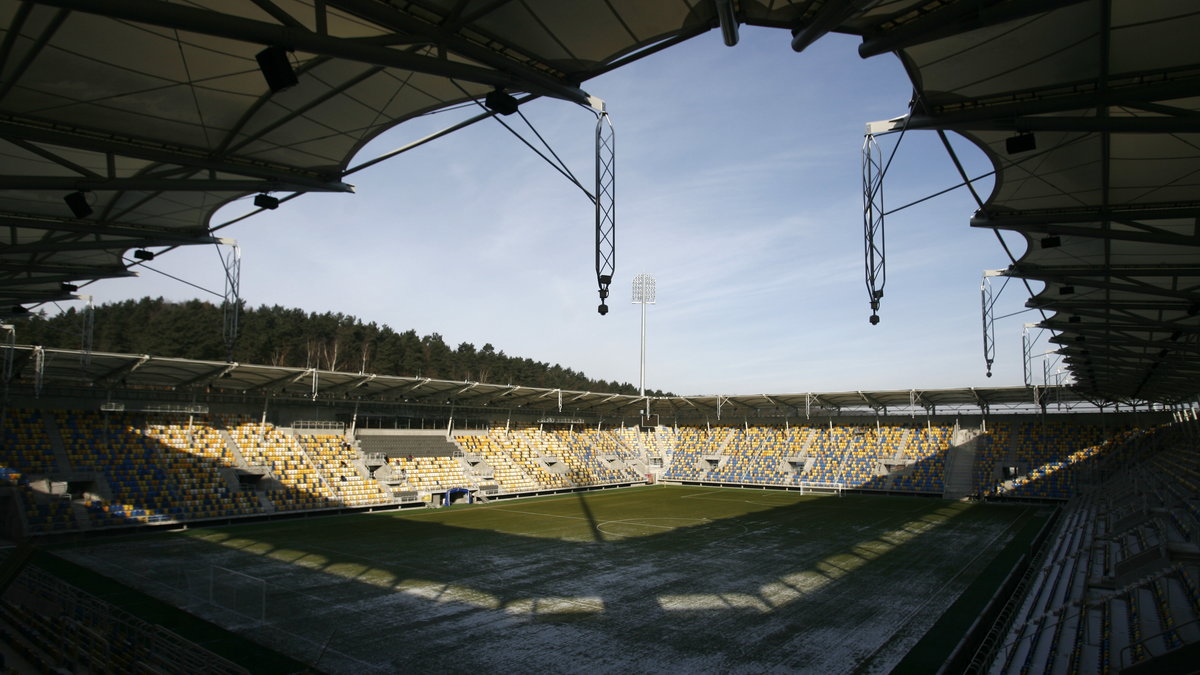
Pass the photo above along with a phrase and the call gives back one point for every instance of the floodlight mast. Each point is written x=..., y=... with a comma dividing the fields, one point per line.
x=643, y=294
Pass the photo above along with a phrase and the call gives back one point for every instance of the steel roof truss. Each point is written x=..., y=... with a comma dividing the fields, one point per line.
x=105, y=229
x=183, y=184
x=107, y=143
x=126, y=367
x=58, y=278
x=1128, y=89
x=354, y=383
x=947, y=19
x=102, y=244
x=207, y=22
x=394, y=19
x=1134, y=286
x=214, y=374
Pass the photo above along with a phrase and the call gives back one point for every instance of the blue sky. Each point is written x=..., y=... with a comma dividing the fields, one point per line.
x=738, y=188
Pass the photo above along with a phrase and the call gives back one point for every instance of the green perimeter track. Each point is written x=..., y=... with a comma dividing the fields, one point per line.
x=657, y=578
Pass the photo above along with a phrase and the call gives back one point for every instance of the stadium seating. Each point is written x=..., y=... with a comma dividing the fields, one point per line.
x=130, y=468
x=1046, y=456
x=199, y=454
x=1111, y=589
x=298, y=483
x=531, y=459
x=339, y=468
x=904, y=458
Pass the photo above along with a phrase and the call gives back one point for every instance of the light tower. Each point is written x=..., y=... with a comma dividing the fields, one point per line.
x=643, y=294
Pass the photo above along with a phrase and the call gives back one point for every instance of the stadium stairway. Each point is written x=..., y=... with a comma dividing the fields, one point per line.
x=57, y=447
x=960, y=470
x=232, y=446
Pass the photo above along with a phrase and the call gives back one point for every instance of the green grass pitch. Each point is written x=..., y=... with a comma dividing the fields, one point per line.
x=661, y=578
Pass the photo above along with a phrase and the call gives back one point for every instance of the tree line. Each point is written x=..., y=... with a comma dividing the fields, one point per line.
x=282, y=336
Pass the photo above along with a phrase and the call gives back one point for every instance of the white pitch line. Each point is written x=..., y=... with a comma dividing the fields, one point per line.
x=704, y=495
x=535, y=513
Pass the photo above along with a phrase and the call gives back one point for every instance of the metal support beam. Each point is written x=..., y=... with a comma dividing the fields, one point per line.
x=523, y=76
x=10, y=344
x=123, y=369
x=152, y=184
x=1091, y=214
x=1108, y=323
x=30, y=279
x=164, y=234
x=1129, y=89
x=606, y=207
x=282, y=382
x=103, y=244
x=953, y=19
x=65, y=272
x=828, y=17
x=1154, y=270
x=214, y=374
x=1147, y=305
x=88, y=329
x=93, y=141
x=988, y=303
x=1134, y=288
x=231, y=306
x=1068, y=124
x=873, y=223
x=349, y=385
x=39, y=295
x=1027, y=353
x=728, y=21
x=207, y=22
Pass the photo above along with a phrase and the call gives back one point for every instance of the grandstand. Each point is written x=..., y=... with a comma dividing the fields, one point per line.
x=1107, y=582
x=176, y=515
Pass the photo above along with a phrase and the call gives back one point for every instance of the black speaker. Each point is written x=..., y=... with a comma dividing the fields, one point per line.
x=1020, y=143
x=276, y=69
x=77, y=202
x=500, y=102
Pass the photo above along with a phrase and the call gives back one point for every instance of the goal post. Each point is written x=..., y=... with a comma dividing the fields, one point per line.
x=237, y=592
x=822, y=488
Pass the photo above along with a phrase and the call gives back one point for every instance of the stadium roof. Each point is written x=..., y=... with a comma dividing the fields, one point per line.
x=150, y=376
x=157, y=114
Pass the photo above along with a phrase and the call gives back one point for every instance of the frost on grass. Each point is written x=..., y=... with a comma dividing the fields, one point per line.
x=671, y=579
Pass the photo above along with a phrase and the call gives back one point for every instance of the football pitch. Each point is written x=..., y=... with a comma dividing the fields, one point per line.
x=652, y=579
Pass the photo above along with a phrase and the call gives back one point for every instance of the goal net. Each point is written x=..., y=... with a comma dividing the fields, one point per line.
x=237, y=592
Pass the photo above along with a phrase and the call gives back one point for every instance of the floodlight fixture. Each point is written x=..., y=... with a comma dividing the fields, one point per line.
x=643, y=289
x=143, y=254
x=643, y=294
x=1066, y=290
x=501, y=102
x=266, y=201
x=1020, y=143
x=68, y=288
x=77, y=202
x=277, y=69
x=1051, y=242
